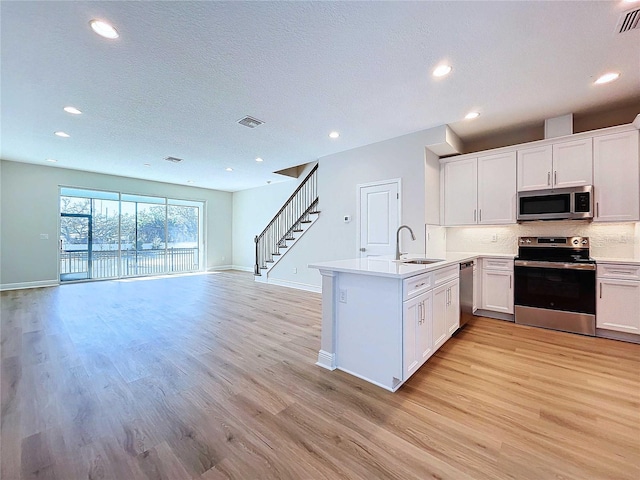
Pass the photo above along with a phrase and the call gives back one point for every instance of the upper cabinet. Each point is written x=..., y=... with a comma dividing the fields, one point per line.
x=480, y=191
x=460, y=192
x=497, y=189
x=616, y=177
x=566, y=164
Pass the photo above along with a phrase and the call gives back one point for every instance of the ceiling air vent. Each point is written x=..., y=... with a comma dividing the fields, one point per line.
x=173, y=159
x=250, y=122
x=629, y=20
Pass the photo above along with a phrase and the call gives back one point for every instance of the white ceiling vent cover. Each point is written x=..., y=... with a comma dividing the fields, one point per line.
x=629, y=20
x=250, y=122
x=173, y=159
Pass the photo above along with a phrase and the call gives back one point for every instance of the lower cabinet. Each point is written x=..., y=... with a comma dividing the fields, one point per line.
x=618, y=298
x=497, y=285
x=446, y=312
x=417, y=332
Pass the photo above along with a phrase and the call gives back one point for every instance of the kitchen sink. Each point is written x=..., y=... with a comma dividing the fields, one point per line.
x=422, y=261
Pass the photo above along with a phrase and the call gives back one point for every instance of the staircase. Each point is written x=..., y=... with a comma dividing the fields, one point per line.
x=294, y=218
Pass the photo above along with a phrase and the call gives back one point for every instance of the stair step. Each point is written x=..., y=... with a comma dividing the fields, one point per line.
x=298, y=231
x=264, y=268
x=290, y=238
x=314, y=213
x=276, y=254
x=305, y=221
x=267, y=261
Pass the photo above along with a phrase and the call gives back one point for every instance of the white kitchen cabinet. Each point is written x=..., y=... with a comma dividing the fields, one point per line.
x=497, y=189
x=497, y=285
x=417, y=332
x=618, y=300
x=616, y=177
x=573, y=163
x=534, y=168
x=480, y=190
x=565, y=164
x=446, y=312
x=460, y=192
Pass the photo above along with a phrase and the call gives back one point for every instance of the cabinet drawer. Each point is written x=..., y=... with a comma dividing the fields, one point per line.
x=619, y=270
x=413, y=286
x=489, y=263
x=443, y=275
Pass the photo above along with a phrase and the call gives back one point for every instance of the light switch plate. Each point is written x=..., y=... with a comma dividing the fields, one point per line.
x=44, y=236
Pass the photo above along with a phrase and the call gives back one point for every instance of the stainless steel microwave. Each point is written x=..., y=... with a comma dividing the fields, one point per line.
x=574, y=203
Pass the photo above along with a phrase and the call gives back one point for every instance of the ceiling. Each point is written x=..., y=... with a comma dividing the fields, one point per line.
x=182, y=73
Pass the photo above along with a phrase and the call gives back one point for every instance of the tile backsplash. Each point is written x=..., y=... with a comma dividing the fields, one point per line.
x=615, y=240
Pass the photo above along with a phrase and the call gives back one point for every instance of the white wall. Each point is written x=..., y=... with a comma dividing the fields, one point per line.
x=29, y=207
x=613, y=240
x=338, y=176
x=253, y=209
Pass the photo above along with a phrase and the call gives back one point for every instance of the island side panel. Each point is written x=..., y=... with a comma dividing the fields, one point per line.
x=327, y=353
x=369, y=327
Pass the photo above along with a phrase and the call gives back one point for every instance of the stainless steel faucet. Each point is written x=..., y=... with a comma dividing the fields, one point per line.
x=413, y=237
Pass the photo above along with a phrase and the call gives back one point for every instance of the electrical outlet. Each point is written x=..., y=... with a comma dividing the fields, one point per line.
x=295, y=270
x=494, y=238
x=44, y=236
x=343, y=295
x=623, y=239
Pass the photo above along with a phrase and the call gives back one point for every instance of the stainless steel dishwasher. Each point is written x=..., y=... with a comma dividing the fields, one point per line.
x=466, y=292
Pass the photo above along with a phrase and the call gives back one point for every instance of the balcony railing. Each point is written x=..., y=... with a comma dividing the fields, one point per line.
x=75, y=264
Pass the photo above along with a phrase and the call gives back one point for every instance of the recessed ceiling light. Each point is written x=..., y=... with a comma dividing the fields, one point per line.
x=471, y=115
x=441, y=70
x=62, y=134
x=607, y=77
x=103, y=29
x=334, y=134
x=189, y=181
x=147, y=164
x=259, y=159
x=72, y=110
x=229, y=169
x=52, y=160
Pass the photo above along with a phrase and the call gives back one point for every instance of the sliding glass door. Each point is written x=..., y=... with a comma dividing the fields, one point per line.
x=111, y=235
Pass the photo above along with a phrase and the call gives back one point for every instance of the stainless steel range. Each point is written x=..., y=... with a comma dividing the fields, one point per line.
x=555, y=284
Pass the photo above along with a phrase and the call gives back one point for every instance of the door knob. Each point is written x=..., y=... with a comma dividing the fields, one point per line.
x=362, y=249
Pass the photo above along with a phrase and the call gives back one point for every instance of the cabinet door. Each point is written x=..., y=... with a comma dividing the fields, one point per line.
x=440, y=304
x=453, y=309
x=460, y=192
x=618, y=305
x=573, y=163
x=417, y=343
x=534, y=168
x=616, y=177
x=497, y=291
x=497, y=189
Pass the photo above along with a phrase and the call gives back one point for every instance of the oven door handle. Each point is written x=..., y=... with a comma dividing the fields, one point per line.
x=563, y=265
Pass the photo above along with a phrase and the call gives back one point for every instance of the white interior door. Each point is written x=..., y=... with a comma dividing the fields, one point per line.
x=379, y=218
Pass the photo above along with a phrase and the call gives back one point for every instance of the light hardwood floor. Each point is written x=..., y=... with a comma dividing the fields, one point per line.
x=213, y=377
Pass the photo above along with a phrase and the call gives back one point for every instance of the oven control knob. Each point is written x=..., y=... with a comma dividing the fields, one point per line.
x=528, y=240
x=576, y=241
x=522, y=240
x=584, y=242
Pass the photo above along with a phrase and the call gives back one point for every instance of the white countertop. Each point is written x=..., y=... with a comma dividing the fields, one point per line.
x=632, y=261
x=387, y=267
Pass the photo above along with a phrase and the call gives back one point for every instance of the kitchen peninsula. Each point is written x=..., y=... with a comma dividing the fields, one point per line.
x=383, y=318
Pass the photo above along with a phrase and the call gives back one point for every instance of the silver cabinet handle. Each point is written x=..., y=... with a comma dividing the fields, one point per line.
x=555, y=177
x=423, y=314
x=420, y=313
x=600, y=289
x=480, y=217
x=597, y=209
x=362, y=249
x=548, y=178
x=474, y=215
x=510, y=277
x=420, y=284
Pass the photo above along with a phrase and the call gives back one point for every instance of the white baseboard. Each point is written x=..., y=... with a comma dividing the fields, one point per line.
x=298, y=286
x=23, y=285
x=220, y=267
x=242, y=269
x=326, y=360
